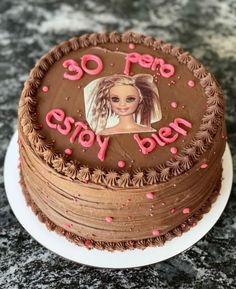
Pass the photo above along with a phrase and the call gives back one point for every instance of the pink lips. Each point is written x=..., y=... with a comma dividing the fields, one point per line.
x=122, y=109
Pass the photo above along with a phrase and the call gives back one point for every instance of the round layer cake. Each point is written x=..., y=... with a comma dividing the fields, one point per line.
x=121, y=139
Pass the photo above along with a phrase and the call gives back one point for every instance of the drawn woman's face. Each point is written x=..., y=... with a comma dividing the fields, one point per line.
x=124, y=99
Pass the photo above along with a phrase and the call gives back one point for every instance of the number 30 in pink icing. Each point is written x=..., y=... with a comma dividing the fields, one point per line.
x=78, y=72
x=72, y=66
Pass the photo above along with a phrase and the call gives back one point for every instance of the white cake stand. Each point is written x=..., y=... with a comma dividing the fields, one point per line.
x=104, y=259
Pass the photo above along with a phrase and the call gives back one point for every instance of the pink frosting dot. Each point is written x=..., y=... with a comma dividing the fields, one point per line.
x=108, y=219
x=191, y=83
x=156, y=232
x=204, y=166
x=67, y=225
x=68, y=152
x=150, y=195
x=45, y=88
x=173, y=150
x=174, y=104
x=131, y=46
x=121, y=164
x=186, y=211
x=87, y=243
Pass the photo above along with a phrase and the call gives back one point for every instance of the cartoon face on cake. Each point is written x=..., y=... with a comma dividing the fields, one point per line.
x=122, y=104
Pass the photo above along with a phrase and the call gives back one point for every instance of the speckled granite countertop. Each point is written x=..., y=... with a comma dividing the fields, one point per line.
x=27, y=30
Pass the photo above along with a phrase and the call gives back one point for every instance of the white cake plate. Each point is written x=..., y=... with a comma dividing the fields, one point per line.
x=105, y=259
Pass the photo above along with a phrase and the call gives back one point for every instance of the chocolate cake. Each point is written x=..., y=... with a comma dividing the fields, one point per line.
x=121, y=138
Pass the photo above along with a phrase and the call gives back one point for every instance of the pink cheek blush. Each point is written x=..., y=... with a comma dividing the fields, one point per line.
x=191, y=83
x=45, y=88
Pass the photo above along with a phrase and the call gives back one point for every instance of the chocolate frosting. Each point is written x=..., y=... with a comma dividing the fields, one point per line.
x=73, y=194
x=123, y=245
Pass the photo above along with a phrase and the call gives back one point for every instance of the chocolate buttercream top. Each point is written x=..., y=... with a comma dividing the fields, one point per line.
x=120, y=109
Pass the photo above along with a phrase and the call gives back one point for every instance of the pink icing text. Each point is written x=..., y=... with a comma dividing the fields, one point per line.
x=148, y=61
x=65, y=125
x=164, y=136
x=76, y=72
x=81, y=133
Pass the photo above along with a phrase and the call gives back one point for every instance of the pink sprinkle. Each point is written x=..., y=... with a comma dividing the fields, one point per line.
x=150, y=195
x=173, y=211
x=108, y=219
x=173, y=150
x=121, y=164
x=87, y=243
x=191, y=83
x=204, y=166
x=186, y=211
x=68, y=152
x=174, y=104
x=45, y=88
x=156, y=233
x=131, y=46
x=68, y=225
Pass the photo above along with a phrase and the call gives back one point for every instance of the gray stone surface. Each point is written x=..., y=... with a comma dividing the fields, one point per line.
x=27, y=30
